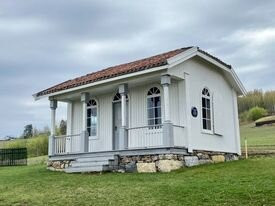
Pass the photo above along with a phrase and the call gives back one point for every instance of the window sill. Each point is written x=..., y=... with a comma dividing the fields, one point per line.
x=211, y=133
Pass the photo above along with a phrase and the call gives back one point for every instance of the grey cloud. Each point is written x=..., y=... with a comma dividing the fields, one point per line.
x=46, y=42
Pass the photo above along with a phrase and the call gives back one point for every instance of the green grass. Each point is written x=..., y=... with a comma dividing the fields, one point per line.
x=245, y=182
x=258, y=136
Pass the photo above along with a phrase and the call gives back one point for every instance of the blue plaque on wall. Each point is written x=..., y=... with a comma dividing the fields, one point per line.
x=194, y=112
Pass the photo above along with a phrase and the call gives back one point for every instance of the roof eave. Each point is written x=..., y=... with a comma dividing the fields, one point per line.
x=154, y=69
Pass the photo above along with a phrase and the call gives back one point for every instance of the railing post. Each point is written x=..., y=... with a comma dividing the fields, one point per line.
x=123, y=134
x=168, y=135
x=51, y=148
x=84, y=145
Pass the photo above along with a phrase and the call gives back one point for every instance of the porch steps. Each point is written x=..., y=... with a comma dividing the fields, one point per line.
x=96, y=163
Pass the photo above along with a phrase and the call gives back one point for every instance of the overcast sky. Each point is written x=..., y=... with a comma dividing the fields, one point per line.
x=46, y=42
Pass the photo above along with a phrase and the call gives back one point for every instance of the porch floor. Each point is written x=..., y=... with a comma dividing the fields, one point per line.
x=126, y=152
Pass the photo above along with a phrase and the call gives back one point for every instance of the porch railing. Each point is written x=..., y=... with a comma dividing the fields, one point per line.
x=67, y=144
x=145, y=136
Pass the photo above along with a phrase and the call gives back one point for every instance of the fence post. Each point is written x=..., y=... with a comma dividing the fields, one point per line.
x=245, y=145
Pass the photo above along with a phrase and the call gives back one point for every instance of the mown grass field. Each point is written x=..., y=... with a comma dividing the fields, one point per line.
x=244, y=182
x=258, y=138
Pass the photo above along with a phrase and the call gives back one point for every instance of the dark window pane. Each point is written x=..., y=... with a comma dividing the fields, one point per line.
x=150, y=102
x=204, y=124
x=151, y=113
x=203, y=102
x=88, y=122
x=208, y=103
x=151, y=122
x=157, y=112
x=157, y=101
x=89, y=112
x=203, y=113
x=158, y=121
x=89, y=131
x=208, y=114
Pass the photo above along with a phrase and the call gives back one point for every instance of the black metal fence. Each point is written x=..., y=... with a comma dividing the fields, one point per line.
x=13, y=157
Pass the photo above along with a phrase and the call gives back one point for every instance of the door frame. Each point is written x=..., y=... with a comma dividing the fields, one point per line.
x=113, y=119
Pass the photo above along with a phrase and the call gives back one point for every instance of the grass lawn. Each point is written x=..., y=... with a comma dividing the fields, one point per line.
x=258, y=136
x=245, y=182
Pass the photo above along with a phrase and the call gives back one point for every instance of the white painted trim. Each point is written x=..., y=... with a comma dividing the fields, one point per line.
x=236, y=122
x=102, y=82
x=188, y=115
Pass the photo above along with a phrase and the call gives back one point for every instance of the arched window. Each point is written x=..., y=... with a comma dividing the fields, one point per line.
x=154, y=106
x=92, y=117
x=206, y=109
x=117, y=97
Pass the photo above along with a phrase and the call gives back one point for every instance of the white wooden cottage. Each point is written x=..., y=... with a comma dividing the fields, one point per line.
x=178, y=103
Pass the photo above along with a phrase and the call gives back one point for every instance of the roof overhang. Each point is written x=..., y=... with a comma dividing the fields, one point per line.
x=102, y=82
x=173, y=61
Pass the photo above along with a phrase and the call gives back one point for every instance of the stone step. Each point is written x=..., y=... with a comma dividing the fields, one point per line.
x=96, y=158
x=92, y=163
x=99, y=168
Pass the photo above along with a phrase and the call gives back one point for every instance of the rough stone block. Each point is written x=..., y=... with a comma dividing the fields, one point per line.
x=231, y=157
x=131, y=167
x=146, y=167
x=191, y=161
x=205, y=161
x=203, y=156
x=169, y=165
x=218, y=158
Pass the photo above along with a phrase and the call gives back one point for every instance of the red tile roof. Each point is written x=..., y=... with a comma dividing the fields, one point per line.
x=135, y=66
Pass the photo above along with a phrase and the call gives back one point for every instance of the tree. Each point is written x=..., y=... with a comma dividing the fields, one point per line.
x=28, y=131
x=62, y=127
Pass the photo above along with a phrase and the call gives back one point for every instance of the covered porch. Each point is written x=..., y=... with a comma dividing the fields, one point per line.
x=117, y=124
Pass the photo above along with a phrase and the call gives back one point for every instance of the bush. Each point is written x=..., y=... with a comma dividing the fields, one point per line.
x=256, y=113
x=36, y=146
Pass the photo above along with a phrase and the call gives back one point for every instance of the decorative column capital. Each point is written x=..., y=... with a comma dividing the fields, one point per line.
x=123, y=89
x=84, y=97
x=166, y=79
x=53, y=104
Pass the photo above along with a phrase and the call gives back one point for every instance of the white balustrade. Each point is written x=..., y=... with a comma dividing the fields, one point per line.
x=67, y=144
x=145, y=137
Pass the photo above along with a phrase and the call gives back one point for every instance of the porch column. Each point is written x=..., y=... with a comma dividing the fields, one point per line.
x=84, y=138
x=168, y=136
x=123, y=137
x=51, y=148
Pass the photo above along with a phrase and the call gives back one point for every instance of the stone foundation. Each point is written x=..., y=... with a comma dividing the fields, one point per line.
x=156, y=162
x=170, y=162
x=58, y=165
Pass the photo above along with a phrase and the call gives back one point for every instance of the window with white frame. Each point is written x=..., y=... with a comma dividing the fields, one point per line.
x=206, y=110
x=154, y=106
x=92, y=117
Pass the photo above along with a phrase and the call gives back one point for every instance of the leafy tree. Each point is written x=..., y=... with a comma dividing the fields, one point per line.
x=28, y=131
x=62, y=127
